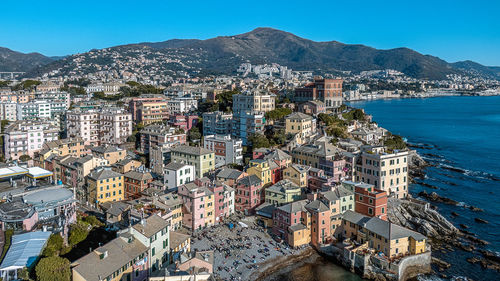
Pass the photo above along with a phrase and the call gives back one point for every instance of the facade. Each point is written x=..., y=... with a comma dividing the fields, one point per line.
x=300, y=124
x=176, y=174
x=247, y=123
x=261, y=169
x=96, y=127
x=8, y=111
x=253, y=101
x=321, y=155
x=152, y=112
x=199, y=205
x=230, y=176
x=217, y=123
x=249, y=194
x=370, y=201
x=202, y=159
x=104, y=185
x=73, y=147
x=181, y=105
x=227, y=150
x=328, y=91
x=385, y=237
x=133, y=104
x=27, y=138
x=160, y=135
x=292, y=223
x=135, y=182
x=321, y=222
x=283, y=192
x=312, y=107
x=154, y=233
x=386, y=171
x=159, y=157
x=298, y=174
x=113, y=154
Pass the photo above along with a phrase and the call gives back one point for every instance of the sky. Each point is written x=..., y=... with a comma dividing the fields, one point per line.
x=452, y=30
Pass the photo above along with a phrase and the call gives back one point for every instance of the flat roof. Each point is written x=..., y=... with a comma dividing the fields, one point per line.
x=37, y=172
x=12, y=171
x=24, y=250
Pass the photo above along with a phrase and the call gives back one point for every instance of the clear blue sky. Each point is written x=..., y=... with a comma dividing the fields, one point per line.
x=453, y=30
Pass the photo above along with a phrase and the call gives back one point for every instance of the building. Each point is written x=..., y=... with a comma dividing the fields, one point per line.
x=370, y=201
x=292, y=223
x=154, y=233
x=152, y=112
x=104, y=185
x=113, y=154
x=283, y=192
x=27, y=138
x=249, y=194
x=261, y=169
x=181, y=105
x=253, y=101
x=227, y=150
x=96, y=127
x=300, y=124
x=159, y=156
x=201, y=158
x=8, y=111
x=321, y=222
x=217, y=123
x=136, y=182
x=230, y=176
x=312, y=107
x=123, y=258
x=385, y=237
x=199, y=206
x=126, y=165
x=161, y=136
x=223, y=200
x=328, y=91
x=176, y=174
x=172, y=204
x=247, y=123
x=73, y=147
x=298, y=174
x=111, y=88
x=387, y=171
x=321, y=155
x=134, y=103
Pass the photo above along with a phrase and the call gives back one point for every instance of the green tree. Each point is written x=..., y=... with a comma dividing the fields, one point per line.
x=355, y=114
x=258, y=141
x=225, y=100
x=53, y=268
x=78, y=232
x=4, y=83
x=338, y=132
x=395, y=142
x=24, y=158
x=54, y=245
x=26, y=85
x=278, y=113
x=93, y=221
x=194, y=134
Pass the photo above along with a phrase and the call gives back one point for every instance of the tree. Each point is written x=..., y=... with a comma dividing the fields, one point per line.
x=338, y=132
x=54, y=245
x=225, y=100
x=26, y=85
x=78, y=233
x=356, y=114
x=395, y=142
x=208, y=106
x=278, y=113
x=24, y=158
x=194, y=134
x=53, y=268
x=93, y=221
x=258, y=141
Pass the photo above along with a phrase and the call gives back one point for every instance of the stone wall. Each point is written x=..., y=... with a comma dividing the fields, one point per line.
x=410, y=266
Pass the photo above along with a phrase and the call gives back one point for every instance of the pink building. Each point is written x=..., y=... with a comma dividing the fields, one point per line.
x=198, y=205
x=223, y=198
x=249, y=194
x=288, y=215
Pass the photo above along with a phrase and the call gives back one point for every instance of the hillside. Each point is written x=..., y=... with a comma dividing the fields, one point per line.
x=12, y=61
x=223, y=54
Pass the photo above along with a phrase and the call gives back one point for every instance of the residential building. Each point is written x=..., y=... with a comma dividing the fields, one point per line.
x=227, y=150
x=387, y=171
x=217, y=123
x=385, y=237
x=292, y=223
x=8, y=111
x=320, y=222
x=300, y=124
x=312, y=107
x=135, y=182
x=73, y=147
x=172, y=204
x=261, y=169
x=176, y=174
x=247, y=123
x=113, y=154
x=223, y=198
x=27, y=138
x=298, y=174
x=123, y=258
x=154, y=232
x=133, y=104
x=159, y=156
x=322, y=155
x=201, y=158
x=199, y=206
x=161, y=136
x=328, y=91
x=370, y=201
x=126, y=165
x=283, y=192
x=152, y=112
x=249, y=194
x=230, y=176
x=181, y=105
x=253, y=101
x=104, y=185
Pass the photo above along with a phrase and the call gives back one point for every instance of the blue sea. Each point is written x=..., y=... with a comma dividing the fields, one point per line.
x=461, y=136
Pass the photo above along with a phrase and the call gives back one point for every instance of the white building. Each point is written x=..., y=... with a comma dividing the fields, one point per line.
x=176, y=174
x=227, y=149
x=96, y=127
x=182, y=105
x=8, y=111
x=27, y=137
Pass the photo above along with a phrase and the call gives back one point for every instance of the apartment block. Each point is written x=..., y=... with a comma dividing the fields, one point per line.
x=217, y=123
x=152, y=112
x=201, y=158
x=328, y=91
x=199, y=204
x=227, y=149
x=160, y=135
x=176, y=174
x=104, y=185
x=27, y=138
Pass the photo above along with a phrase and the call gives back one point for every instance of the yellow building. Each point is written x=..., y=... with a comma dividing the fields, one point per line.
x=283, y=192
x=300, y=234
x=111, y=153
x=152, y=112
x=260, y=168
x=74, y=147
x=104, y=185
x=201, y=158
x=172, y=203
x=209, y=208
x=301, y=124
x=390, y=239
x=297, y=174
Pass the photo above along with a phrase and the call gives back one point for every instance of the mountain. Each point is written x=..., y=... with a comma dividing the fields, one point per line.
x=223, y=54
x=12, y=61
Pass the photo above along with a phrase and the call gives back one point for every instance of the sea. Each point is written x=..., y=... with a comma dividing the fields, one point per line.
x=460, y=136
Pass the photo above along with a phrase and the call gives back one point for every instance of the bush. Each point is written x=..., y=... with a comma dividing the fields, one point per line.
x=93, y=221
x=278, y=113
x=78, y=233
x=24, y=158
x=53, y=268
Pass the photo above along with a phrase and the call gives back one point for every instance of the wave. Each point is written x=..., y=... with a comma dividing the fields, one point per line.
x=470, y=173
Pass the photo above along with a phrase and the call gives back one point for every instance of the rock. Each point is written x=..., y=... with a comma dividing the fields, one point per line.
x=477, y=240
x=473, y=260
x=433, y=196
x=476, y=209
x=490, y=255
x=479, y=220
x=463, y=226
x=455, y=214
x=440, y=263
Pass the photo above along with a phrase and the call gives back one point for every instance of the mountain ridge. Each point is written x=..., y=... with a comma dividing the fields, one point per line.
x=222, y=55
